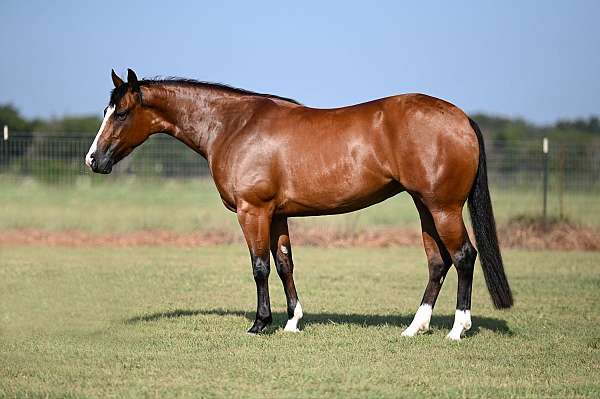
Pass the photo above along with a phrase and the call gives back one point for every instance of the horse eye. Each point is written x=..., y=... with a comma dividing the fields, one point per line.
x=122, y=115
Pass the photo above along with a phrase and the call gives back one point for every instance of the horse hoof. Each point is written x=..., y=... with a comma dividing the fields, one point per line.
x=255, y=330
x=291, y=326
x=412, y=331
x=454, y=336
x=409, y=333
x=259, y=326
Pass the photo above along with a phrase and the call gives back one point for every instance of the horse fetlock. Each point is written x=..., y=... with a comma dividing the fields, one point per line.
x=462, y=323
x=292, y=323
x=420, y=322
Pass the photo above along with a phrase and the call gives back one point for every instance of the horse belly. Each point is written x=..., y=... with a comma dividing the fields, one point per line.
x=335, y=191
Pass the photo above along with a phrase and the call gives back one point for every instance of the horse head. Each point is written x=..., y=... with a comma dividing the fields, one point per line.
x=127, y=123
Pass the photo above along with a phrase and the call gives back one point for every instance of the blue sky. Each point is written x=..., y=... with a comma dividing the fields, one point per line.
x=535, y=59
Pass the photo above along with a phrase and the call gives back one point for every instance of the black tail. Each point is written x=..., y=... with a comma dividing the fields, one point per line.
x=484, y=225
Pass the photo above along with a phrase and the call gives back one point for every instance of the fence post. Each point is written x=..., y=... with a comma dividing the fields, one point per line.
x=561, y=182
x=5, y=132
x=545, y=152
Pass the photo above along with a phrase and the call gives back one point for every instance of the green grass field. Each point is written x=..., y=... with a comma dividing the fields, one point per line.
x=195, y=206
x=170, y=322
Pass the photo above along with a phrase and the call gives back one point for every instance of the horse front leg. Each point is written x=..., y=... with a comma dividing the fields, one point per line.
x=281, y=249
x=255, y=223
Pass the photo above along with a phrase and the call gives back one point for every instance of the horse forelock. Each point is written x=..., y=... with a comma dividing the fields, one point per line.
x=117, y=94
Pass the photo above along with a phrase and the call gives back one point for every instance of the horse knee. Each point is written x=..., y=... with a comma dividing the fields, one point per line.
x=260, y=269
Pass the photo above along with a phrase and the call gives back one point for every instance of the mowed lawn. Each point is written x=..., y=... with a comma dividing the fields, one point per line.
x=171, y=322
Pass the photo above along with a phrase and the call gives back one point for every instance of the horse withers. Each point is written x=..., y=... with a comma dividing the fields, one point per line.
x=272, y=158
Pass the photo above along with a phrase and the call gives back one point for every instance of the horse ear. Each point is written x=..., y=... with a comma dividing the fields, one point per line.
x=117, y=81
x=132, y=80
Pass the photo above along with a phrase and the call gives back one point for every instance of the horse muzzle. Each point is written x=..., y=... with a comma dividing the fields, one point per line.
x=99, y=163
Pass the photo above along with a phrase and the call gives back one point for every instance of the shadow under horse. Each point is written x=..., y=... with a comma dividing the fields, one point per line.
x=498, y=326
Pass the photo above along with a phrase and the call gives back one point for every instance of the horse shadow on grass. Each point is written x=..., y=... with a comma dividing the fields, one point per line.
x=443, y=322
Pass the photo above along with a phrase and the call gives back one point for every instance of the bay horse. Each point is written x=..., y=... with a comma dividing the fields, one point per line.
x=272, y=158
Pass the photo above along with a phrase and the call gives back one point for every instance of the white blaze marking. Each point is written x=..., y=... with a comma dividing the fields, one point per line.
x=88, y=157
x=462, y=322
x=284, y=249
x=292, y=324
x=421, y=321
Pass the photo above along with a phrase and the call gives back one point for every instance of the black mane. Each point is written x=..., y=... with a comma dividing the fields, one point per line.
x=118, y=92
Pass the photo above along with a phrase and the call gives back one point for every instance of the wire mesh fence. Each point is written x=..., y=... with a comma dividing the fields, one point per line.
x=516, y=170
x=59, y=160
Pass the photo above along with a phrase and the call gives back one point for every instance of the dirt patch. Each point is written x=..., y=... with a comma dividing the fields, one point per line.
x=516, y=234
x=136, y=238
x=532, y=233
x=310, y=237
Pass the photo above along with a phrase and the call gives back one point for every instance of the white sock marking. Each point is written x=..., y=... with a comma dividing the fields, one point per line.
x=462, y=323
x=94, y=146
x=292, y=324
x=421, y=321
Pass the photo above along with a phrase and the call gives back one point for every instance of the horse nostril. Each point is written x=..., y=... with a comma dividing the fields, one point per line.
x=93, y=163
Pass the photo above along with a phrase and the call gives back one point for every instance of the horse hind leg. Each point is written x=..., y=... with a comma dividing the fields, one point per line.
x=451, y=229
x=439, y=262
x=281, y=249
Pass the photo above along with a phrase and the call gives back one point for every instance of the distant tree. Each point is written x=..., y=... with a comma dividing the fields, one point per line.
x=67, y=125
x=590, y=125
x=503, y=128
x=10, y=116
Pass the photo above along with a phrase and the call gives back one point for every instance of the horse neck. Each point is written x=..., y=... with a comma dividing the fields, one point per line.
x=197, y=116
